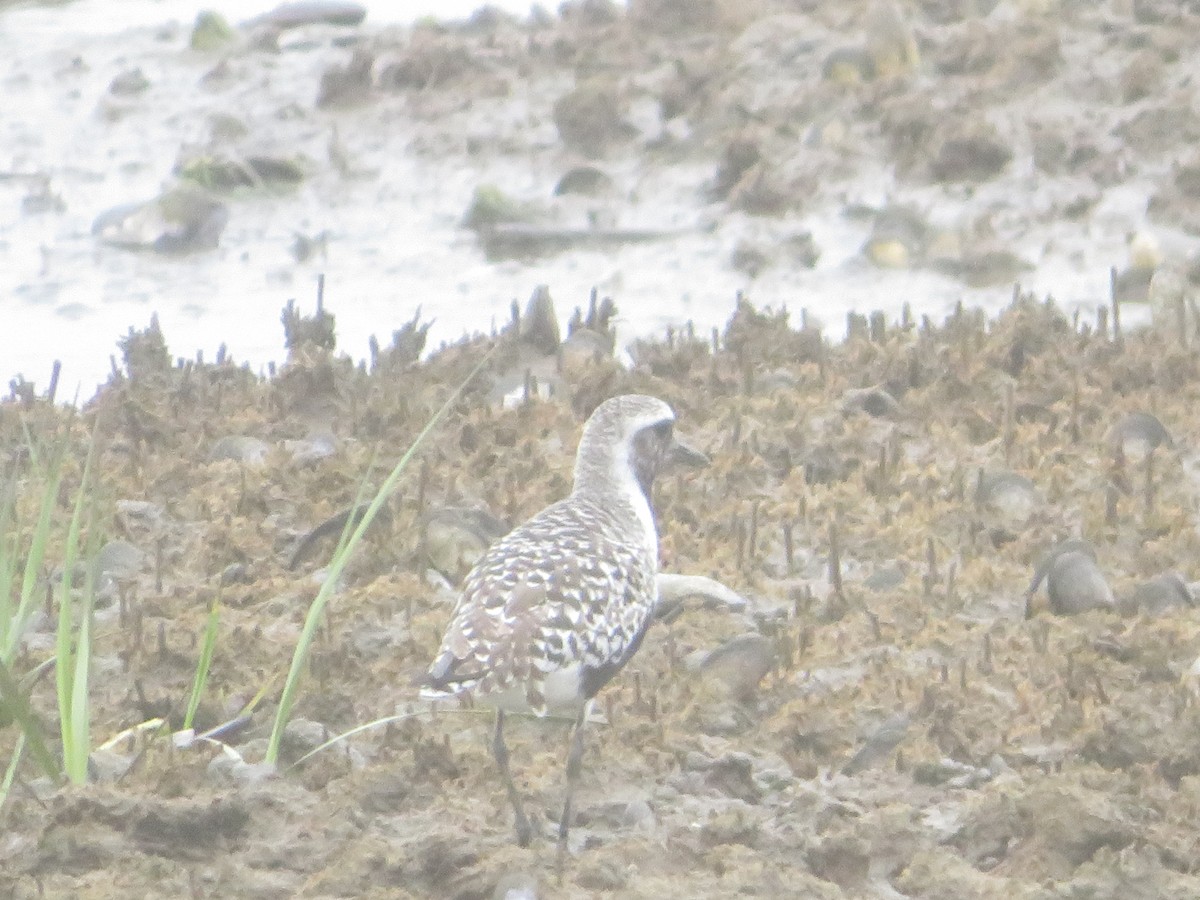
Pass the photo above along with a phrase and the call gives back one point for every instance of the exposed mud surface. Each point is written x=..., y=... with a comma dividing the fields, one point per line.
x=914, y=734
x=827, y=156
x=921, y=729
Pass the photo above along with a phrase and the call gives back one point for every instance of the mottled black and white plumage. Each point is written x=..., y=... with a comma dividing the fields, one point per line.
x=554, y=609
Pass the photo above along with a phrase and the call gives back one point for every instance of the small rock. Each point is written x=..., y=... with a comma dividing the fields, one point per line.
x=311, y=12
x=879, y=745
x=119, y=560
x=737, y=666
x=750, y=258
x=875, y=402
x=516, y=886
x=1137, y=435
x=849, y=66
x=240, y=448
x=314, y=448
x=302, y=736
x=211, y=32
x=891, y=45
x=491, y=206
x=1074, y=582
x=899, y=237
x=975, y=156
x=236, y=573
x=1161, y=594
x=586, y=180
x=229, y=768
x=590, y=119
x=183, y=220
x=1008, y=502
x=108, y=765
x=131, y=81
x=141, y=509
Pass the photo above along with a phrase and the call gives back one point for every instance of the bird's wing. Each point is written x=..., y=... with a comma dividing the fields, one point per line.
x=532, y=606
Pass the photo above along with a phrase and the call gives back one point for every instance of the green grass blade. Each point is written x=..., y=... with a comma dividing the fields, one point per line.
x=64, y=657
x=75, y=757
x=13, y=619
x=17, y=706
x=357, y=729
x=11, y=772
x=207, y=646
x=74, y=657
x=8, y=560
x=317, y=609
x=37, y=552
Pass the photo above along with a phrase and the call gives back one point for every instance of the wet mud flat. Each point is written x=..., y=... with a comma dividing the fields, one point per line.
x=886, y=716
x=854, y=155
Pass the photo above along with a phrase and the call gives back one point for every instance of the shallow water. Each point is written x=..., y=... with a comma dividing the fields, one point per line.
x=395, y=242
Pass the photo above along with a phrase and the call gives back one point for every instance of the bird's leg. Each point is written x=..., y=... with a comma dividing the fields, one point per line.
x=574, y=768
x=500, y=751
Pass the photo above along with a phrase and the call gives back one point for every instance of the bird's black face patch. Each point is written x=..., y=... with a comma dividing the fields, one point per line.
x=651, y=446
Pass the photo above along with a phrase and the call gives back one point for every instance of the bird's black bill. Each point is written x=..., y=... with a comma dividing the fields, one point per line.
x=683, y=455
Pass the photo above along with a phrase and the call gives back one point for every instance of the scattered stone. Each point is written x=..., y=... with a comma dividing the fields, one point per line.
x=236, y=573
x=875, y=402
x=1008, y=502
x=1137, y=435
x=1161, y=595
x=320, y=444
x=229, y=768
x=586, y=180
x=490, y=207
x=240, y=448
x=735, y=668
x=119, y=560
x=750, y=258
x=141, y=510
x=183, y=220
x=899, y=236
x=311, y=12
x=301, y=736
x=1074, y=582
x=211, y=32
x=973, y=156
x=516, y=886
x=849, y=66
x=130, y=82
x=890, y=42
x=106, y=765
x=590, y=119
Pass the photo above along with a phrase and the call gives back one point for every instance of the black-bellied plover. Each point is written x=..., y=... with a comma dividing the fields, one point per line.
x=554, y=609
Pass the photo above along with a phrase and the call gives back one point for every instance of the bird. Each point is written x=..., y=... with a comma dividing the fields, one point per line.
x=553, y=610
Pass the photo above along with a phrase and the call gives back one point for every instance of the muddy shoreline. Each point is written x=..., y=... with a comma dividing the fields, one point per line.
x=965, y=535
x=913, y=734
x=855, y=157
